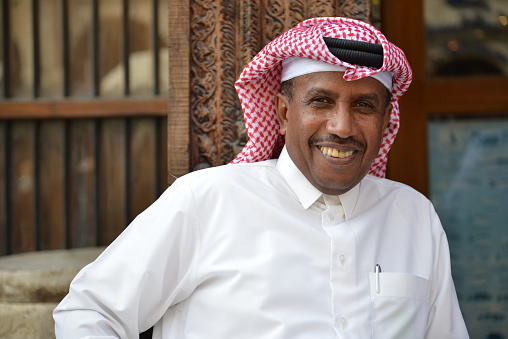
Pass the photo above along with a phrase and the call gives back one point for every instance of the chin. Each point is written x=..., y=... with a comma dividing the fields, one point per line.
x=334, y=188
x=330, y=185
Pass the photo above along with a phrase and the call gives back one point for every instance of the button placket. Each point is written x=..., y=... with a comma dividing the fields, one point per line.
x=343, y=264
x=343, y=322
x=334, y=215
x=342, y=259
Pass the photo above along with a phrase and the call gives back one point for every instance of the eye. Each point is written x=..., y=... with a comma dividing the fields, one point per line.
x=320, y=100
x=364, y=104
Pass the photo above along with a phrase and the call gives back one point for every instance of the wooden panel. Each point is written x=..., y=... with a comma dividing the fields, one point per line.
x=4, y=238
x=21, y=67
x=22, y=186
x=142, y=172
x=49, y=35
x=164, y=175
x=72, y=109
x=51, y=174
x=112, y=179
x=179, y=87
x=402, y=24
x=90, y=157
x=466, y=96
x=82, y=184
x=80, y=41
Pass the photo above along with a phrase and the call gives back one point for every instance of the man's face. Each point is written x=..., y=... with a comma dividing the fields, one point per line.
x=333, y=128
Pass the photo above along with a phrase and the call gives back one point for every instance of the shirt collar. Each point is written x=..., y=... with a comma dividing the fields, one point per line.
x=306, y=193
x=304, y=190
x=349, y=200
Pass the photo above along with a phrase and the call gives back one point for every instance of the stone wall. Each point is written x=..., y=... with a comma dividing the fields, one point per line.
x=32, y=284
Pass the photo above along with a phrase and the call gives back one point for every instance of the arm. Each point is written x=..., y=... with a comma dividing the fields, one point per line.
x=148, y=268
x=445, y=318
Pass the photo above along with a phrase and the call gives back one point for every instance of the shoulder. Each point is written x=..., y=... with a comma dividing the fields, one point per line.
x=217, y=184
x=389, y=189
x=402, y=203
x=234, y=170
x=221, y=178
x=395, y=195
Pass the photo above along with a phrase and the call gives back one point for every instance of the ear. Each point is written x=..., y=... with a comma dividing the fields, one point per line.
x=281, y=109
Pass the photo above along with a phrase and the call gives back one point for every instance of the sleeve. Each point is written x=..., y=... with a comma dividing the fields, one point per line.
x=148, y=268
x=445, y=318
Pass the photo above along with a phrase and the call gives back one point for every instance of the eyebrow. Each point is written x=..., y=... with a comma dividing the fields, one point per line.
x=361, y=96
x=319, y=90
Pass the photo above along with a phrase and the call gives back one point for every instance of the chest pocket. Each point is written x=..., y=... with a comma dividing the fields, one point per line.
x=400, y=309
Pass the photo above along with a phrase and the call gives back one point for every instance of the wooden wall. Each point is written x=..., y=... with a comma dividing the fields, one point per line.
x=76, y=175
x=83, y=116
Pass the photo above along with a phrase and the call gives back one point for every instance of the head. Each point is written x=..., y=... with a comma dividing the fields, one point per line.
x=344, y=112
x=333, y=128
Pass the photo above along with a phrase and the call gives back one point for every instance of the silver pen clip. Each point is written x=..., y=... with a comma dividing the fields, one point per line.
x=377, y=270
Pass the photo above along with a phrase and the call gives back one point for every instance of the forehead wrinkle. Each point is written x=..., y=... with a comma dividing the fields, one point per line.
x=320, y=90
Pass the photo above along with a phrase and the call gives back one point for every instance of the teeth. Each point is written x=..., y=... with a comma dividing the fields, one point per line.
x=332, y=152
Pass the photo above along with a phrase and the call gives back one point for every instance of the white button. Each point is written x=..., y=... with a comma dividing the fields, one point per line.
x=342, y=259
x=331, y=217
x=343, y=322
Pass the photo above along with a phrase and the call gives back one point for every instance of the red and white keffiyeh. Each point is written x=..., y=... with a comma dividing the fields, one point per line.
x=260, y=81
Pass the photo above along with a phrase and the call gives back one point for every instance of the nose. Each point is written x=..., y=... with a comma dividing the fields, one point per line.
x=341, y=122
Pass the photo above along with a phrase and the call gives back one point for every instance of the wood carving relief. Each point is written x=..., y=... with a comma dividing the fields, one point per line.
x=225, y=36
x=355, y=9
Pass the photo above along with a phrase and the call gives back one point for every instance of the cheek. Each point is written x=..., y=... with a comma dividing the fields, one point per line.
x=378, y=140
x=311, y=123
x=373, y=132
x=297, y=127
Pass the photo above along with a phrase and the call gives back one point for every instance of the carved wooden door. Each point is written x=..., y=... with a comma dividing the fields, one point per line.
x=210, y=42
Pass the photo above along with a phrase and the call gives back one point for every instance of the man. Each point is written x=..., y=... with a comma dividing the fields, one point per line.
x=306, y=245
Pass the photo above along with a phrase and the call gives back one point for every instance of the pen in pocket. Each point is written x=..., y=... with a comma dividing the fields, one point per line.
x=377, y=270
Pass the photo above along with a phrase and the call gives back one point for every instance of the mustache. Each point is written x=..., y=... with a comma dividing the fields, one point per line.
x=350, y=141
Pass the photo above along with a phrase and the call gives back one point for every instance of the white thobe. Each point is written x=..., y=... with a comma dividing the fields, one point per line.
x=255, y=251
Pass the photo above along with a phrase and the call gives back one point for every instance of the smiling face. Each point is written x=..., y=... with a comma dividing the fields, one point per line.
x=333, y=128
